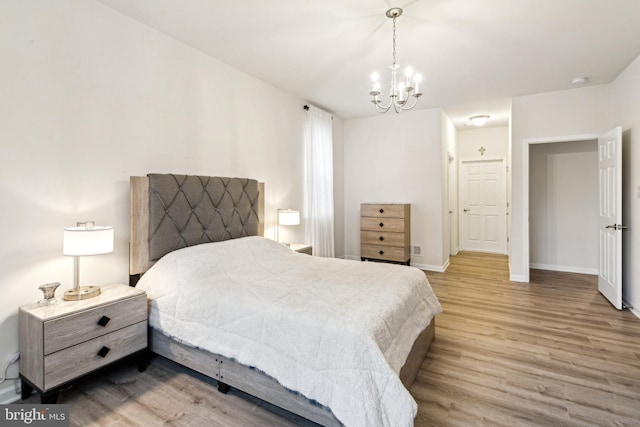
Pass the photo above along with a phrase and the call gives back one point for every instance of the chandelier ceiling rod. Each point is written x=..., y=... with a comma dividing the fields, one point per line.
x=399, y=92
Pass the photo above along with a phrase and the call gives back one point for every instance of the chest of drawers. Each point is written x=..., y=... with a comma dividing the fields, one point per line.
x=385, y=233
x=62, y=342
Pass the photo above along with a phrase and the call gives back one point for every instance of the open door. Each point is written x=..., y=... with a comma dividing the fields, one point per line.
x=610, y=216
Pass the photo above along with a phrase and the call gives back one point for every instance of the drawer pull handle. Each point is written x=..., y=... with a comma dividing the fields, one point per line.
x=104, y=351
x=381, y=210
x=381, y=224
x=381, y=238
x=103, y=321
x=381, y=252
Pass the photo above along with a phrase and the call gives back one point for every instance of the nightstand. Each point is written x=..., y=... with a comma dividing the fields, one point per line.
x=62, y=342
x=302, y=248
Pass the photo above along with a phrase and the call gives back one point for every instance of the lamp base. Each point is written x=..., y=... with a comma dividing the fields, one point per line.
x=84, y=292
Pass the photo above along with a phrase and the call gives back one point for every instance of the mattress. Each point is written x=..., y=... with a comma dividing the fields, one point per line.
x=336, y=331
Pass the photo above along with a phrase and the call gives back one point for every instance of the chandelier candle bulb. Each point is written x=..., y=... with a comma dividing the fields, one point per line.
x=417, y=79
x=408, y=72
x=375, y=85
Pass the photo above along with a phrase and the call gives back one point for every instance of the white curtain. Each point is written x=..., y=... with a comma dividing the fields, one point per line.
x=318, y=195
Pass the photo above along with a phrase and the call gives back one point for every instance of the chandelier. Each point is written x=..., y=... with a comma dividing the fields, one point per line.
x=401, y=89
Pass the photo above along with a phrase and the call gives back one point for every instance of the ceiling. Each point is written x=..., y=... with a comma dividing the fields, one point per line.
x=474, y=54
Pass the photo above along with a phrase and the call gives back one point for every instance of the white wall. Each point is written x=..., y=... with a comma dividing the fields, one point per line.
x=90, y=97
x=563, y=206
x=397, y=158
x=495, y=140
x=626, y=105
x=553, y=114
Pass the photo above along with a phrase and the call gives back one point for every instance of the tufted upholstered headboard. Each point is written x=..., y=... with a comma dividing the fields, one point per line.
x=170, y=212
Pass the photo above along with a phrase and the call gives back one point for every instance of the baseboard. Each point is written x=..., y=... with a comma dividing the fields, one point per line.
x=427, y=267
x=564, y=268
x=517, y=278
x=8, y=392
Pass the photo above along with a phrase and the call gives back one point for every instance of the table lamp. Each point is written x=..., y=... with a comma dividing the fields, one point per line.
x=286, y=217
x=85, y=239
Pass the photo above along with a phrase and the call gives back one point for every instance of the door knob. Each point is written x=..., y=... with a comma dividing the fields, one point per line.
x=617, y=226
x=466, y=210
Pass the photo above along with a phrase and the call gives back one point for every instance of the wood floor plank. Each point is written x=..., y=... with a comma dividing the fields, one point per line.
x=550, y=352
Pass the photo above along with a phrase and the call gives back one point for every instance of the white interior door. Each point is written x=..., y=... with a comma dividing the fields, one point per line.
x=610, y=216
x=483, y=206
x=452, y=197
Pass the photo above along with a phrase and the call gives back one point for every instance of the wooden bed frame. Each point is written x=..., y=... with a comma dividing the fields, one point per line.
x=227, y=372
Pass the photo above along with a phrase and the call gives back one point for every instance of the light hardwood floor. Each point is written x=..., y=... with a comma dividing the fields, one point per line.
x=552, y=352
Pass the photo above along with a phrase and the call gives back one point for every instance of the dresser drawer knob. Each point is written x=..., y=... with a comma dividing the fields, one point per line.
x=103, y=321
x=381, y=210
x=381, y=238
x=104, y=351
x=381, y=224
x=381, y=252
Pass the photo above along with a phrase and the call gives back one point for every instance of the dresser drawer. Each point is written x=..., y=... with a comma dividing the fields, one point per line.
x=382, y=238
x=80, y=359
x=382, y=224
x=82, y=326
x=382, y=210
x=389, y=253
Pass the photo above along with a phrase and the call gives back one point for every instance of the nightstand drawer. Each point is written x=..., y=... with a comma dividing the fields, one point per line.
x=82, y=326
x=80, y=359
x=391, y=253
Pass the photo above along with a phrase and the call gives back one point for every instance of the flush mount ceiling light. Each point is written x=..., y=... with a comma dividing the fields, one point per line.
x=400, y=89
x=480, y=120
x=578, y=81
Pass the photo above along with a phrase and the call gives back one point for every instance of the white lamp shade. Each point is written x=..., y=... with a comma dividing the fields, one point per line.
x=80, y=241
x=288, y=217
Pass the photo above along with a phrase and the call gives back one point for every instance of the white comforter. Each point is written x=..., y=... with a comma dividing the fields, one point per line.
x=336, y=331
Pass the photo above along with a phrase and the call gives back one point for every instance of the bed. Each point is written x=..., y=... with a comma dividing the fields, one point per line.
x=282, y=326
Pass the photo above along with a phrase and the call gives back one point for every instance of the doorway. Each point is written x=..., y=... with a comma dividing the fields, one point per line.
x=528, y=144
x=563, y=206
x=452, y=198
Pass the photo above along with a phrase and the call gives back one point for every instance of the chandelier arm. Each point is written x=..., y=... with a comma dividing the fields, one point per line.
x=415, y=102
x=382, y=109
